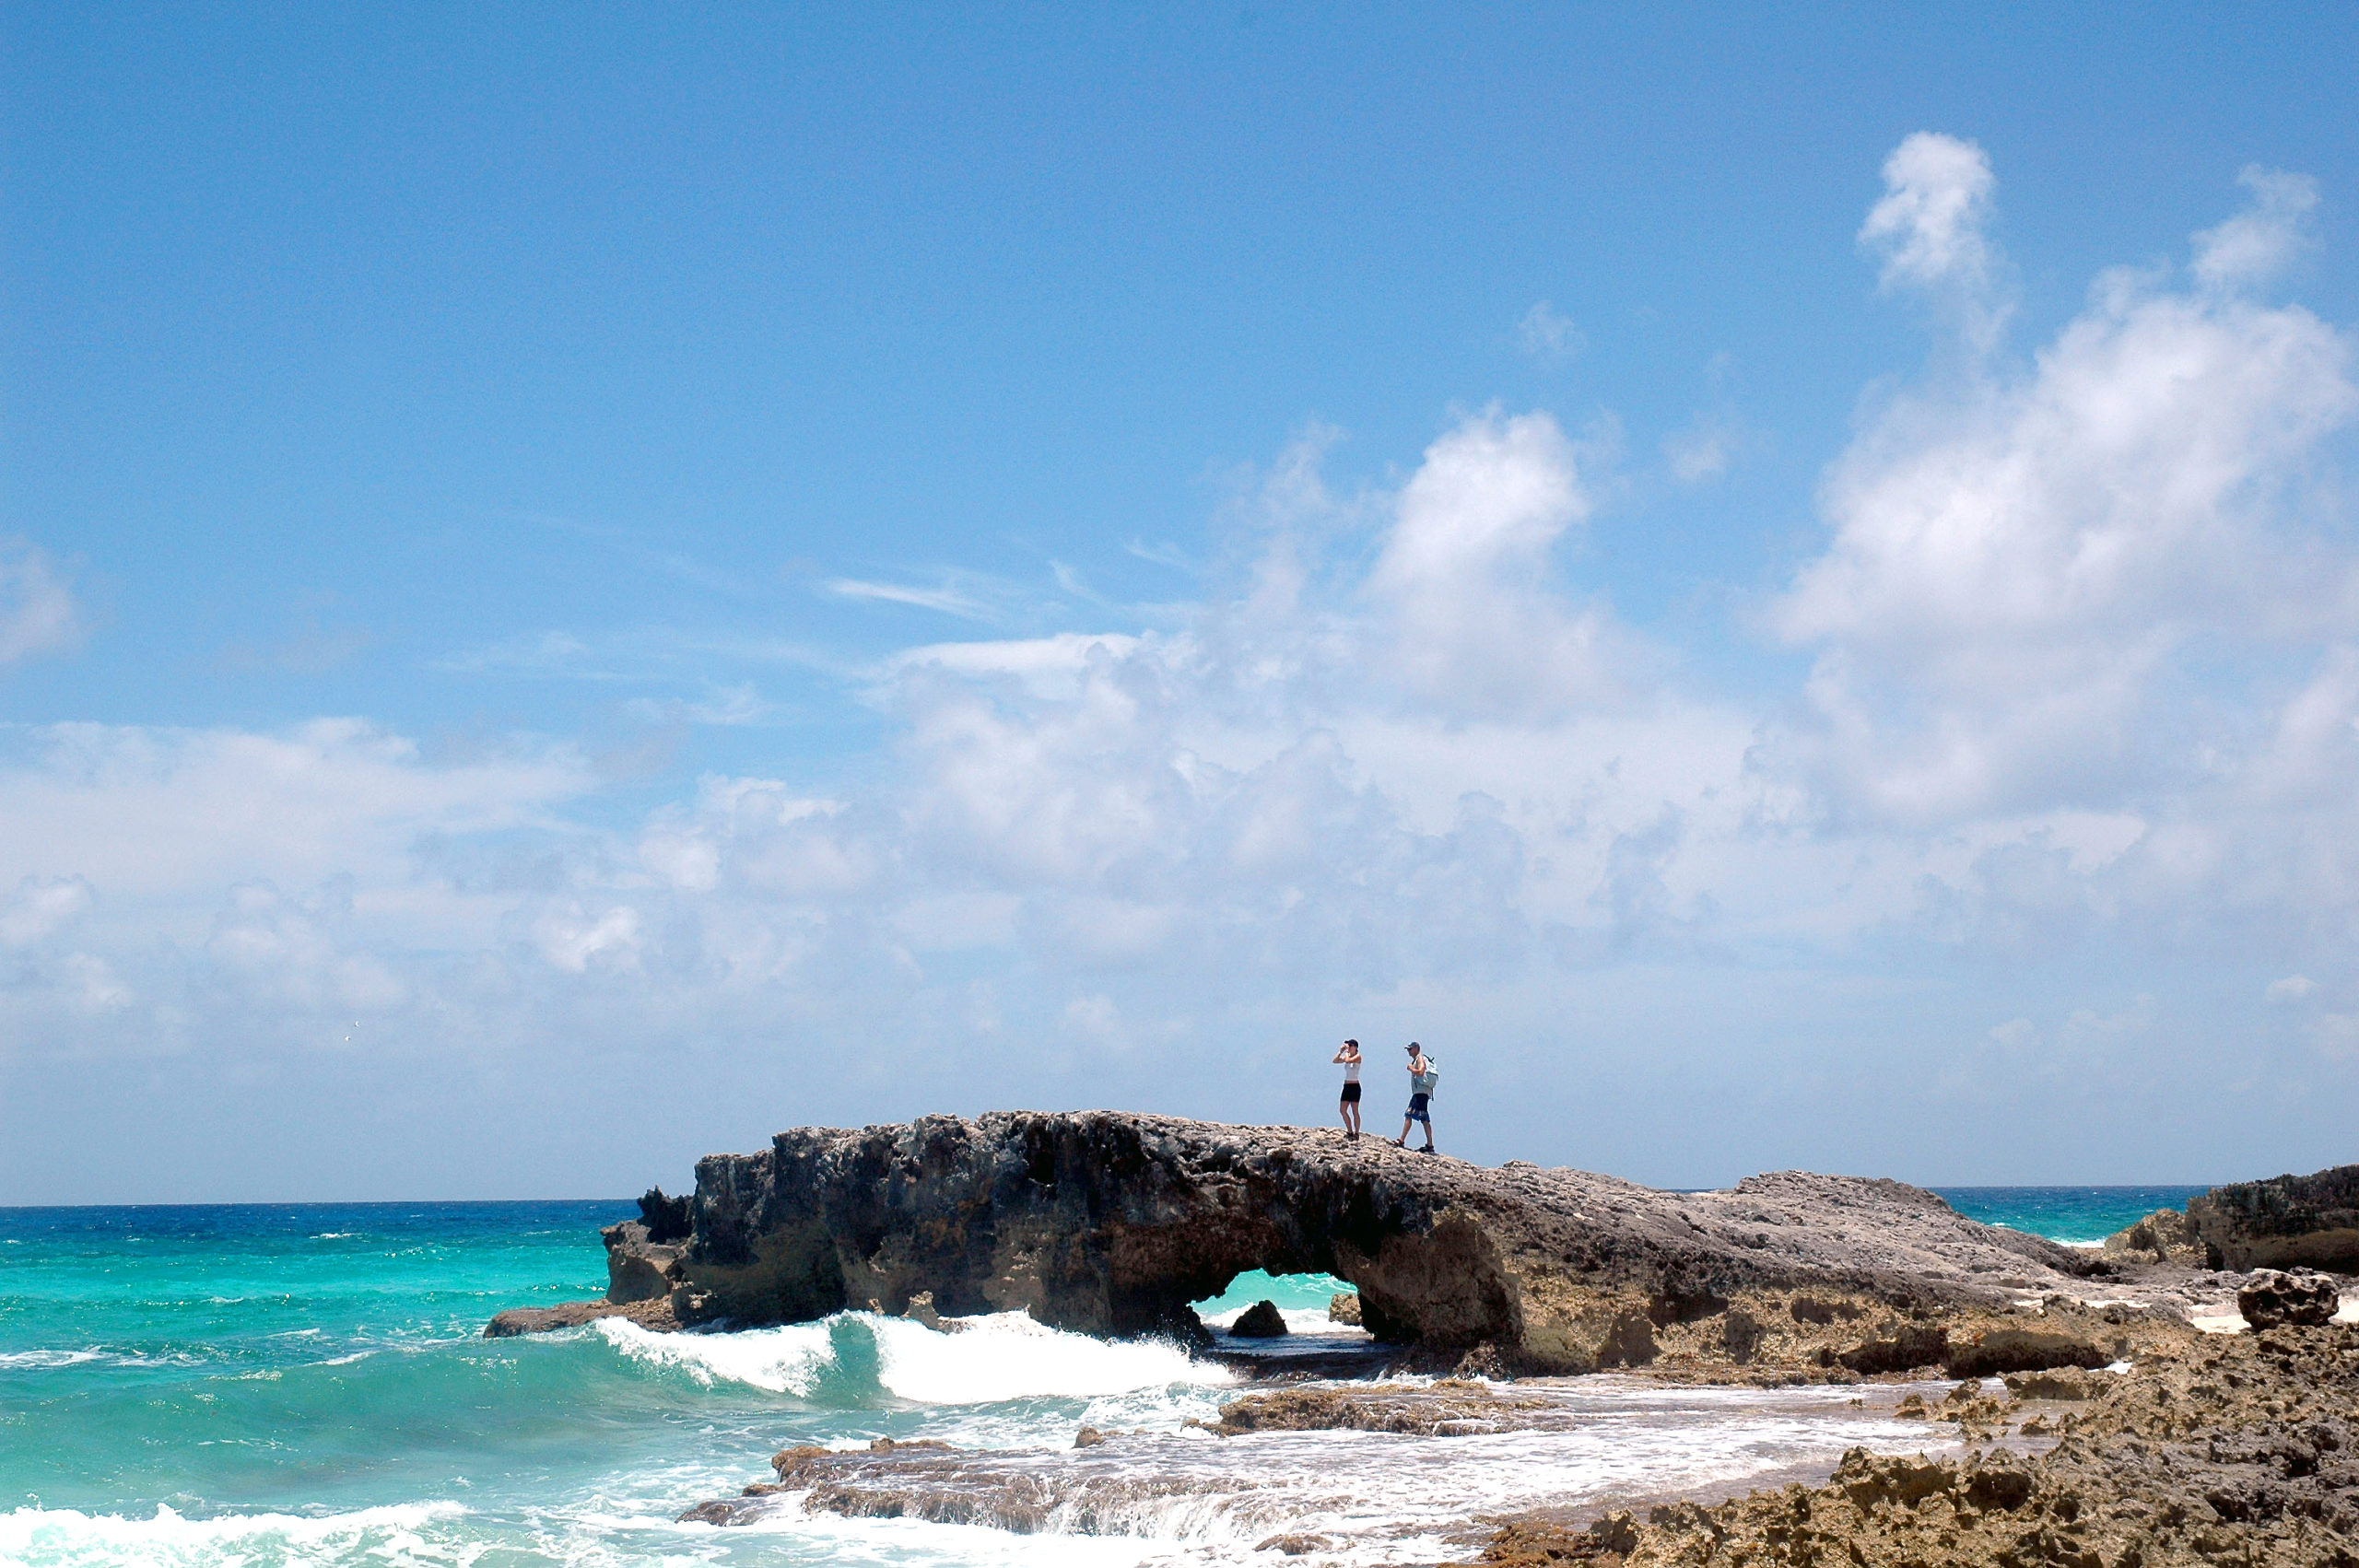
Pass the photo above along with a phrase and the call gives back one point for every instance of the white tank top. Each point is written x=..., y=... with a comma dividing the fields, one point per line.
x=1351, y=1072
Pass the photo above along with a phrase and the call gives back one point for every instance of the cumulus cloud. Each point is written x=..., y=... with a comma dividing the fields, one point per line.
x=38, y=613
x=2083, y=670
x=1931, y=227
x=2023, y=568
x=2257, y=244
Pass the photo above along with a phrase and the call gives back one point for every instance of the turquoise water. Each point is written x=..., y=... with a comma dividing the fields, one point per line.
x=2081, y=1214
x=270, y=1384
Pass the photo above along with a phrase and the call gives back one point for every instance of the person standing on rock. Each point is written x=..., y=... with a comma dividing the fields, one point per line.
x=1350, y=1056
x=1422, y=1076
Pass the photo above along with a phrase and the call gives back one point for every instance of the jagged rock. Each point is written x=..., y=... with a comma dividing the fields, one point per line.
x=1262, y=1320
x=1998, y=1351
x=921, y=1310
x=2243, y=1450
x=1344, y=1306
x=1483, y=1361
x=1106, y=1223
x=1088, y=1438
x=2167, y=1236
x=637, y=1268
x=666, y=1219
x=2272, y=1299
x=2288, y=1221
x=2053, y=1385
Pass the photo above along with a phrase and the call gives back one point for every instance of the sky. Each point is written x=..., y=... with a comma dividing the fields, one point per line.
x=578, y=587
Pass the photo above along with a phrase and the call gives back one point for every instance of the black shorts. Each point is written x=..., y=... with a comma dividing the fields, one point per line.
x=1351, y=1093
x=1418, y=1109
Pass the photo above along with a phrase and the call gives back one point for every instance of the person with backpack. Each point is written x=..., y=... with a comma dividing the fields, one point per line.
x=1423, y=1075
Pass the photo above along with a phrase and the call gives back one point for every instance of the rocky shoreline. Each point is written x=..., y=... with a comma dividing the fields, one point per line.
x=1506, y=1286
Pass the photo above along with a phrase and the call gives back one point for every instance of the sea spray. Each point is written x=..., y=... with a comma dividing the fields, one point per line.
x=857, y=1358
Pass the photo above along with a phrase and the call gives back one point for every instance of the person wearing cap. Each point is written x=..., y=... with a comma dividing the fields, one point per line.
x=1350, y=1057
x=1422, y=1076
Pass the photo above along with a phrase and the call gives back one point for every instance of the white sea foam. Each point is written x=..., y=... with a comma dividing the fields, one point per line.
x=42, y=1361
x=988, y=1361
x=37, y=1537
x=1009, y=1357
x=786, y=1359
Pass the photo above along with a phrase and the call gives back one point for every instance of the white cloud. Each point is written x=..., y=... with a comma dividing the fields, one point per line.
x=38, y=613
x=2085, y=683
x=40, y=906
x=2022, y=567
x=948, y=601
x=1936, y=206
x=1547, y=333
x=2256, y=245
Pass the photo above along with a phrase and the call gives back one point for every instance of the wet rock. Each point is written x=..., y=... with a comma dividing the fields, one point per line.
x=1262, y=1320
x=2241, y=1450
x=1294, y=1544
x=2272, y=1299
x=1450, y=1407
x=921, y=1310
x=2061, y=1384
x=1344, y=1306
x=1482, y=1361
x=653, y=1315
x=2000, y=1350
x=1088, y=1438
x=1904, y=1348
x=2288, y=1221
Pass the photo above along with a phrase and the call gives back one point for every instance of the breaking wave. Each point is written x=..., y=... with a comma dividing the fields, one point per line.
x=855, y=1356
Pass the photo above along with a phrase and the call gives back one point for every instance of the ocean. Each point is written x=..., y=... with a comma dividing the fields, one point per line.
x=255, y=1384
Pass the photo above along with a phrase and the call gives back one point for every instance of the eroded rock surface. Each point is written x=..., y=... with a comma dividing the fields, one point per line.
x=2243, y=1450
x=1111, y=1224
x=2285, y=1223
x=2272, y=1299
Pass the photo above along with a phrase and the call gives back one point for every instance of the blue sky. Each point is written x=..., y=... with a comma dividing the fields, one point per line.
x=575, y=589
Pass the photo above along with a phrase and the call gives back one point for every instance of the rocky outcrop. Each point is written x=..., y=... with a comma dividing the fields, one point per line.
x=2285, y=1223
x=2272, y=1299
x=656, y=1314
x=1262, y=1320
x=2246, y=1450
x=2167, y=1236
x=1113, y=1224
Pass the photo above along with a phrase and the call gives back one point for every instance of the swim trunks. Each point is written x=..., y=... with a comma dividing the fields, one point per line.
x=1418, y=1109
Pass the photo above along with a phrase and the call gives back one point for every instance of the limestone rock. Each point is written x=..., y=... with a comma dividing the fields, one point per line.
x=1262, y=1320
x=1344, y=1306
x=2288, y=1221
x=1111, y=1224
x=2239, y=1451
x=2167, y=1236
x=2272, y=1299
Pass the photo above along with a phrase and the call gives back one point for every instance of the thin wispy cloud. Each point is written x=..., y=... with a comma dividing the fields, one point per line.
x=1548, y=334
x=945, y=600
